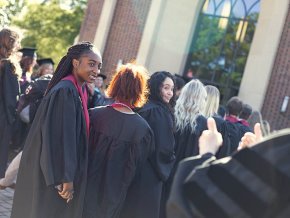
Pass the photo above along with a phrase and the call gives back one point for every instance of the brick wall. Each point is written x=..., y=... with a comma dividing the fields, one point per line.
x=279, y=84
x=125, y=33
x=91, y=20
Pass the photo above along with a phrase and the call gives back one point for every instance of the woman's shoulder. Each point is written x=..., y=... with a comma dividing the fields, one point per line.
x=152, y=107
x=63, y=89
x=63, y=86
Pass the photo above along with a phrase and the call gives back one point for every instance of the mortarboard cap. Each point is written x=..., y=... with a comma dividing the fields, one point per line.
x=45, y=61
x=102, y=75
x=30, y=52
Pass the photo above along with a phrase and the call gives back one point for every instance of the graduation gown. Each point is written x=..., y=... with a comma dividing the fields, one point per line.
x=161, y=121
x=32, y=97
x=177, y=206
x=253, y=182
x=187, y=140
x=9, y=92
x=225, y=149
x=121, y=180
x=55, y=152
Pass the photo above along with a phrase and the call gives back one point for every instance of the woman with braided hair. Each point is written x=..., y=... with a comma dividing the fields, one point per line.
x=53, y=169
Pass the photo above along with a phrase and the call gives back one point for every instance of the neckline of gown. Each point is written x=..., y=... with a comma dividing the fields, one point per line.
x=113, y=109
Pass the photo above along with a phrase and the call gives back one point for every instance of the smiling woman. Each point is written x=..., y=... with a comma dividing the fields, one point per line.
x=54, y=161
x=158, y=112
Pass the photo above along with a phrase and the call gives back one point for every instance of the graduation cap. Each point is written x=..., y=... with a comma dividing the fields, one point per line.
x=30, y=52
x=45, y=61
x=254, y=182
x=102, y=75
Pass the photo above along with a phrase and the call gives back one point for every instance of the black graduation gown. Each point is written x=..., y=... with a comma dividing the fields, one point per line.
x=187, y=140
x=161, y=121
x=177, y=206
x=32, y=97
x=121, y=180
x=55, y=152
x=9, y=92
x=34, y=94
x=225, y=149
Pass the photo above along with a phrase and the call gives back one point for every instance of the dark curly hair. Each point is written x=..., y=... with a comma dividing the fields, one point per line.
x=155, y=85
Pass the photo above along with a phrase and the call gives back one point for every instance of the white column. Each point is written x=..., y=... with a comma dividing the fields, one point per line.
x=263, y=52
x=168, y=33
x=104, y=24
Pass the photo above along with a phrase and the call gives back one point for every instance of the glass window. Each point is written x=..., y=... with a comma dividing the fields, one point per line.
x=221, y=43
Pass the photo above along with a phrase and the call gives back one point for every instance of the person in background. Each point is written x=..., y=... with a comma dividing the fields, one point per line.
x=189, y=119
x=235, y=128
x=180, y=82
x=211, y=110
x=10, y=73
x=234, y=107
x=256, y=117
x=158, y=112
x=121, y=179
x=45, y=67
x=96, y=90
x=27, y=63
x=209, y=143
x=245, y=114
x=222, y=112
x=52, y=176
x=231, y=187
x=27, y=107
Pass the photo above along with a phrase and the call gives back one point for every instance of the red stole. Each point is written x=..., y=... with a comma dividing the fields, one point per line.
x=84, y=99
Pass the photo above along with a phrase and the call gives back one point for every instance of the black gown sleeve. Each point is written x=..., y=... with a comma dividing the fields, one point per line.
x=58, y=158
x=162, y=126
x=10, y=92
x=177, y=205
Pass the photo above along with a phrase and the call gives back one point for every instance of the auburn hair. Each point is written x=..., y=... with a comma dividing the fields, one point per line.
x=129, y=85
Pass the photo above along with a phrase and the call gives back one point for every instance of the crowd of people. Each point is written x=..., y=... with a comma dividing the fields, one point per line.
x=144, y=146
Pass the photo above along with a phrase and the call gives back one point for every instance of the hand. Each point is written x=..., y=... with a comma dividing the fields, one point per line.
x=210, y=140
x=251, y=139
x=67, y=191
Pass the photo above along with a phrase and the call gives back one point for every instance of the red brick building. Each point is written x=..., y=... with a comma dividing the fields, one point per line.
x=159, y=35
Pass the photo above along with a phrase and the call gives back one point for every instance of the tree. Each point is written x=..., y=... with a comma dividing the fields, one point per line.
x=8, y=9
x=51, y=28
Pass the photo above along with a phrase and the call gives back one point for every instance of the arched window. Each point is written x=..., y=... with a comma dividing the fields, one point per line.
x=221, y=43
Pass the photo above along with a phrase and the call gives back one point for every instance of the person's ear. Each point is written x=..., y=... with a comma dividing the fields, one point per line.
x=75, y=63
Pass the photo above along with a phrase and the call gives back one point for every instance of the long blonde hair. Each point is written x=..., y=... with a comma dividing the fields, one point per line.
x=256, y=117
x=8, y=37
x=212, y=101
x=190, y=105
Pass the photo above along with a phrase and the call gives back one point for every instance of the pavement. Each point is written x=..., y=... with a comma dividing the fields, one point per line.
x=6, y=200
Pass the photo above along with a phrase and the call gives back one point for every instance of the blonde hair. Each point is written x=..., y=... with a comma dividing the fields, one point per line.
x=40, y=70
x=256, y=117
x=8, y=37
x=212, y=101
x=190, y=105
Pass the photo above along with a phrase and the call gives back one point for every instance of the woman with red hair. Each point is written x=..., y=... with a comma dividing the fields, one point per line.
x=121, y=143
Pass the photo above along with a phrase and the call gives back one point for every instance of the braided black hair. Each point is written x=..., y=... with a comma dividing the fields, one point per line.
x=64, y=67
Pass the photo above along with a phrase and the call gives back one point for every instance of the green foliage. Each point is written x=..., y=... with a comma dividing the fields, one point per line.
x=217, y=56
x=51, y=28
x=8, y=9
